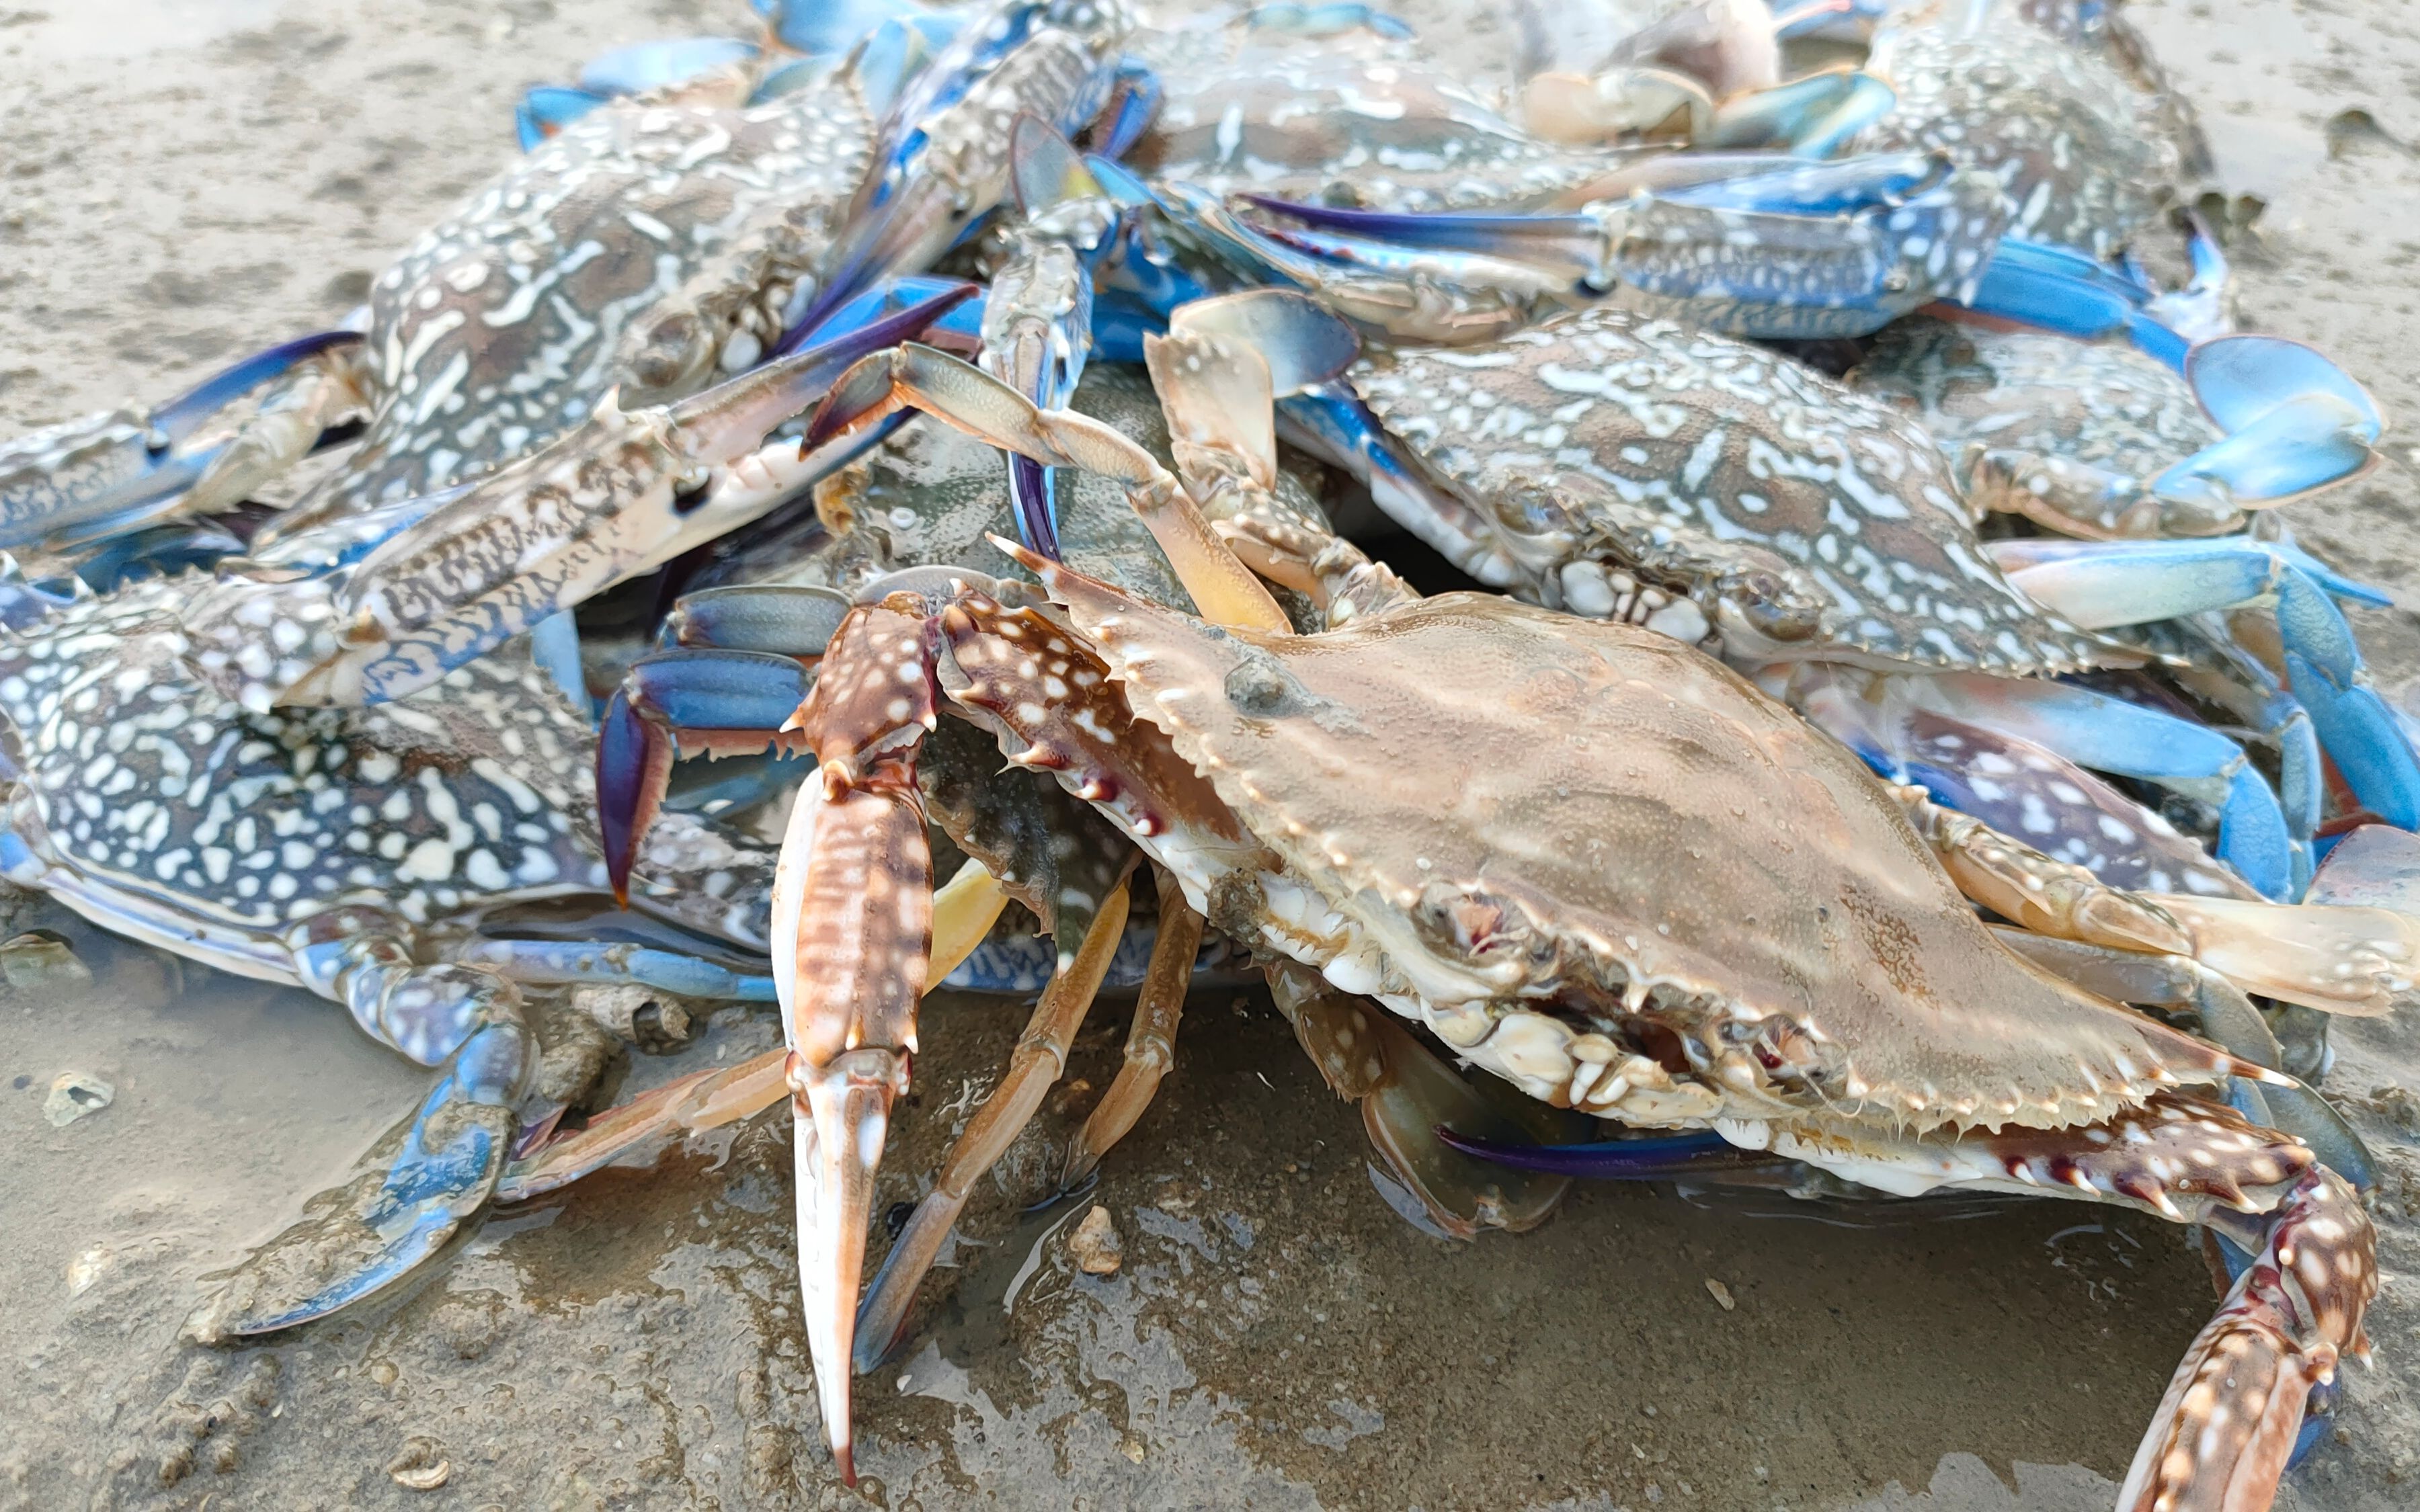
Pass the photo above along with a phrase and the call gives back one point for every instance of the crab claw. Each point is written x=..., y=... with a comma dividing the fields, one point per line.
x=1779, y=248
x=456, y=574
x=2295, y=421
x=693, y=700
x=110, y=472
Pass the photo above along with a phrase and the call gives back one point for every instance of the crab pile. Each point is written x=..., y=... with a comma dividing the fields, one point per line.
x=1873, y=722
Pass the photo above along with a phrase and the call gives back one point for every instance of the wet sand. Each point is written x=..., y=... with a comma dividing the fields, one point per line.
x=181, y=182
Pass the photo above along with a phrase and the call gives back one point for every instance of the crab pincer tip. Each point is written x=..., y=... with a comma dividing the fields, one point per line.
x=634, y=769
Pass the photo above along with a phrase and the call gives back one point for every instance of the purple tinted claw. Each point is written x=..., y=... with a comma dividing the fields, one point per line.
x=634, y=764
x=688, y=700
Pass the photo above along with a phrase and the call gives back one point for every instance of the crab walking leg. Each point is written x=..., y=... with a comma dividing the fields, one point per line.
x=2226, y=1017
x=2353, y=960
x=1033, y=1067
x=964, y=911
x=2226, y=1426
x=1406, y=1095
x=2225, y=1429
x=981, y=405
x=1150, y=1044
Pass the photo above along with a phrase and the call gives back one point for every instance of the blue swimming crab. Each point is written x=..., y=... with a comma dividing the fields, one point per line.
x=2084, y=154
x=1238, y=755
x=655, y=245
x=192, y=763
x=1383, y=184
x=1624, y=467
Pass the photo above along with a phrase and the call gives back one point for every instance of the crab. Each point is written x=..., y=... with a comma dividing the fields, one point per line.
x=2083, y=155
x=192, y=764
x=1344, y=800
x=1620, y=466
x=908, y=517
x=650, y=249
x=656, y=245
x=2102, y=441
x=356, y=853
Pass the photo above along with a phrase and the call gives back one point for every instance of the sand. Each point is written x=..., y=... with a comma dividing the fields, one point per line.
x=181, y=182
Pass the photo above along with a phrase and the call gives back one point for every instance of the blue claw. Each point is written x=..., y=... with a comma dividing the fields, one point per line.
x=781, y=618
x=727, y=701
x=2100, y=584
x=2295, y=421
x=1774, y=248
x=145, y=468
x=2060, y=290
x=903, y=215
x=720, y=690
x=2364, y=738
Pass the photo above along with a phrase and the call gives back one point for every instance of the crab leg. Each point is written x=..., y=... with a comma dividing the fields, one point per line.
x=2103, y=583
x=1801, y=250
x=1406, y=1095
x=2228, y=1426
x=2224, y=1016
x=468, y=1020
x=1150, y=1044
x=964, y=910
x=2342, y=960
x=976, y=402
x=1034, y=1067
x=1037, y=328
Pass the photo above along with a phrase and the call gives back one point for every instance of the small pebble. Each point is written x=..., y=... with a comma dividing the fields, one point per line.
x=419, y=1467
x=88, y=1266
x=1721, y=1294
x=1095, y=1243
x=74, y=1094
x=42, y=958
x=1132, y=1449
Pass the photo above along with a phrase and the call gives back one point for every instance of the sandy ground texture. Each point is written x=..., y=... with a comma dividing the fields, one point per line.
x=182, y=180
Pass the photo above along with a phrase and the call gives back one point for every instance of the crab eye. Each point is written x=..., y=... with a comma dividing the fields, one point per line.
x=668, y=350
x=1261, y=690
